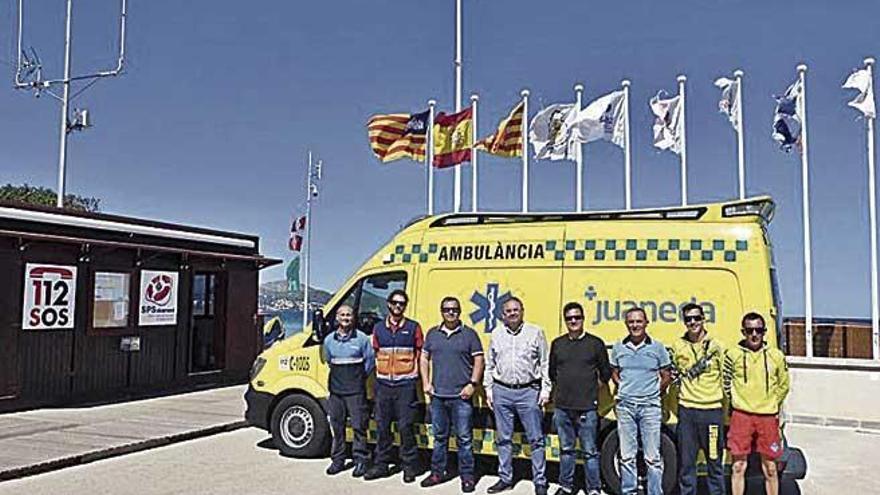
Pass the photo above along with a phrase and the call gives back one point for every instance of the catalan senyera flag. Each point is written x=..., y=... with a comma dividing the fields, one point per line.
x=507, y=141
x=398, y=135
x=453, y=138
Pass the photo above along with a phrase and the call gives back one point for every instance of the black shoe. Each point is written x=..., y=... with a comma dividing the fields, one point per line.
x=431, y=480
x=335, y=468
x=560, y=491
x=409, y=475
x=540, y=489
x=376, y=472
x=499, y=487
x=360, y=468
x=468, y=486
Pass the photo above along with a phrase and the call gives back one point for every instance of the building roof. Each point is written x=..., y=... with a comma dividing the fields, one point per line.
x=61, y=225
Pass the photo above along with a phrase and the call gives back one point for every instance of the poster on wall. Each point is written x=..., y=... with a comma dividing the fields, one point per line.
x=158, y=299
x=49, y=297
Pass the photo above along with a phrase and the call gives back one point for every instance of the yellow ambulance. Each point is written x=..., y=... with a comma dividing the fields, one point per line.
x=716, y=255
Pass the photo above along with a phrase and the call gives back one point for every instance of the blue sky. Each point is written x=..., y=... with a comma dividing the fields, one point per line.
x=220, y=102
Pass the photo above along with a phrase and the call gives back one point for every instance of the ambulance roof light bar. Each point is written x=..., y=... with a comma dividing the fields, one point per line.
x=763, y=208
x=688, y=213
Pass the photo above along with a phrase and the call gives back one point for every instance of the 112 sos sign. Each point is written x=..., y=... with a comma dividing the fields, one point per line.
x=49, y=297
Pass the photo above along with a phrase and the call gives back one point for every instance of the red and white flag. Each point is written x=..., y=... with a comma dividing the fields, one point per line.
x=297, y=228
x=295, y=243
x=299, y=224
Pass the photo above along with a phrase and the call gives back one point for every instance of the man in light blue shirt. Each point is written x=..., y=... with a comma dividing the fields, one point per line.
x=641, y=370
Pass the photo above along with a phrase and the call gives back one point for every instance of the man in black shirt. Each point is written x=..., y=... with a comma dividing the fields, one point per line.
x=578, y=367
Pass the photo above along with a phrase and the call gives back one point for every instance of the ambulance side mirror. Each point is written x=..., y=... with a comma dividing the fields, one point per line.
x=319, y=325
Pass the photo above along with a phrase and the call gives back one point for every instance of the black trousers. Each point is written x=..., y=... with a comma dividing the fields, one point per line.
x=340, y=407
x=398, y=404
x=700, y=429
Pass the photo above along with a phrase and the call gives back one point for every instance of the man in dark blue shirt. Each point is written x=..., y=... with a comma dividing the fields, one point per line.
x=350, y=356
x=452, y=367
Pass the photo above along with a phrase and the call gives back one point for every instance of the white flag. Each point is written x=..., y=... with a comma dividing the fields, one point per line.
x=604, y=118
x=729, y=103
x=667, y=124
x=864, y=101
x=550, y=132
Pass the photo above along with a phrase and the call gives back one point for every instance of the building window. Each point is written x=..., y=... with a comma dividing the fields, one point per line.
x=203, y=294
x=111, y=300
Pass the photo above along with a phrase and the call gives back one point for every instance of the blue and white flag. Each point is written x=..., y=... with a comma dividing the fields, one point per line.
x=550, y=132
x=668, y=128
x=729, y=104
x=864, y=101
x=788, y=118
x=604, y=118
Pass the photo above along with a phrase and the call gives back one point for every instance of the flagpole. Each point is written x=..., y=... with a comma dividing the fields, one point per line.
x=307, y=249
x=474, y=99
x=740, y=145
x=579, y=154
x=456, y=200
x=525, y=151
x=627, y=165
x=872, y=204
x=684, y=188
x=429, y=155
x=805, y=185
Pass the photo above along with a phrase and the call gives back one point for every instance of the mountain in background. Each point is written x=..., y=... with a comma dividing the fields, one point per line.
x=274, y=296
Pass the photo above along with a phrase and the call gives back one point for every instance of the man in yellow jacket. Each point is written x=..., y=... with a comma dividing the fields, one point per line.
x=756, y=380
x=698, y=360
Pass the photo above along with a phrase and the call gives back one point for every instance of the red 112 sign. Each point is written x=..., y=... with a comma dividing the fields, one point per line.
x=49, y=297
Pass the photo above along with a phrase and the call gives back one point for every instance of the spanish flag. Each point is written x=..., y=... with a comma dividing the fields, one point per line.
x=398, y=135
x=507, y=141
x=453, y=138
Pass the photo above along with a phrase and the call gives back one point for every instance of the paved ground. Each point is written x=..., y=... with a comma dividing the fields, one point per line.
x=43, y=439
x=243, y=462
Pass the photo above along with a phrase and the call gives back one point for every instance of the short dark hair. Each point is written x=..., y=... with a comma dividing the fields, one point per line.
x=573, y=305
x=514, y=299
x=398, y=292
x=690, y=307
x=752, y=316
x=450, y=299
x=635, y=308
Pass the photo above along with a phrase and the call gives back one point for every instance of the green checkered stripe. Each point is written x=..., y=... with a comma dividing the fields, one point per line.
x=412, y=253
x=659, y=250
x=483, y=442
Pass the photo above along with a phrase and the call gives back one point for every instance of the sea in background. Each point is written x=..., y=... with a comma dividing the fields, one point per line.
x=290, y=318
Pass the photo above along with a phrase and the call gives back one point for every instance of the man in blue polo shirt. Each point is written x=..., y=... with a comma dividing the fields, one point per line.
x=451, y=368
x=349, y=353
x=641, y=371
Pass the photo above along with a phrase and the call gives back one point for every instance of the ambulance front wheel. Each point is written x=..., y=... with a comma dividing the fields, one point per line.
x=299, y=427
x=610, y=463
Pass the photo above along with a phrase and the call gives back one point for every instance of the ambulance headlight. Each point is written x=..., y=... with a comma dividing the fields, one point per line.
x=257, y=367
x=763, y=208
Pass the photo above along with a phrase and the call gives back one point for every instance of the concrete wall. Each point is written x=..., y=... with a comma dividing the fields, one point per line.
x=834, y=396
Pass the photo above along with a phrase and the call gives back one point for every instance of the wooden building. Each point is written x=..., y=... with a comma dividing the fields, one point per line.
x=101, y=307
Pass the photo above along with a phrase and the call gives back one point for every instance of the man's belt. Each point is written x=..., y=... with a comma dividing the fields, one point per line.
x=518, y=386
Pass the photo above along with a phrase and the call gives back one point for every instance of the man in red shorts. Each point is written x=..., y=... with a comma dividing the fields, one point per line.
x=756, y=381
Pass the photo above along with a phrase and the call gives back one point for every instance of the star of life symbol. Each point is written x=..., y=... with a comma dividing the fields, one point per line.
x=489, y=306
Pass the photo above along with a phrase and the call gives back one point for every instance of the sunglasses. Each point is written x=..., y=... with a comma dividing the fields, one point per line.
x=688, y=319
x=574, y=318
x=758, y=330
x=397, y=303
x=451, y=310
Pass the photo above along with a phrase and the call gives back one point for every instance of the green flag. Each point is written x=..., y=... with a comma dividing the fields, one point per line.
x=293, y=276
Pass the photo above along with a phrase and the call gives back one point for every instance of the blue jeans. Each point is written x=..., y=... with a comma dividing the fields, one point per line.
x=523, y=402
x=457, y=413
x=636, y=421
x=572, y=426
